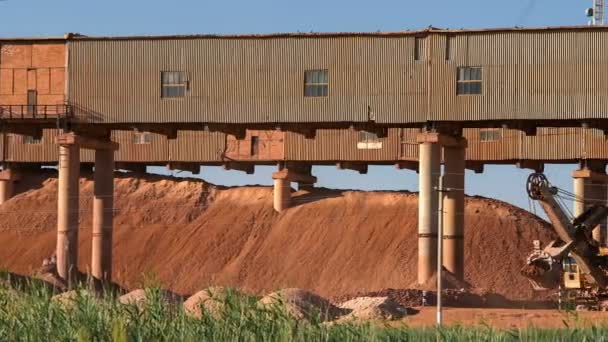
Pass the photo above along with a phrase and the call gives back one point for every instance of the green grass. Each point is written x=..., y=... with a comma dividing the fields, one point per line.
x=29, y=314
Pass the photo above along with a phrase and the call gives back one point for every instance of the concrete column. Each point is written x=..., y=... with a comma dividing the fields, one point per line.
x=453, y=216
x=580, y=185
x=597, y=194
x=6, y=190
x=103, y=215
x=67, y=212
x=590, y=189
x=282, y=194
x=430, y=155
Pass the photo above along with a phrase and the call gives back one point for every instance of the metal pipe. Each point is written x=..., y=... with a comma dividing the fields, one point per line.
x=430, y=158
x=282, y=194
x=440, y=198
x=453, y=218
x=103, y=203
x=67, y=212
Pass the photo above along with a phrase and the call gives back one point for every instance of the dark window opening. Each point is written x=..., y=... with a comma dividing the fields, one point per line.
x=255, y=146
x=316, y=83
x=30, y=140
x=32, y=101
x=489, y=134
x=142, y=138
x=469, y=81
x=368, y=136
x=173, y=84
x=448, y=48
x=418, y=49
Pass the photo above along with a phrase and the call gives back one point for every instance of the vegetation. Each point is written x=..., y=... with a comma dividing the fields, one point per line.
x=30, y=314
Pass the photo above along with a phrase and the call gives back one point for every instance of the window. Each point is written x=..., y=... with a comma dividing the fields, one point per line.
x=418, y=48
x=173, y=83
x=492, y=134
x=255, y=145
x=368, y=141
x=30, y=140
x=448, y=48
x=316, y=83
x=469, y=81
x=142, y=138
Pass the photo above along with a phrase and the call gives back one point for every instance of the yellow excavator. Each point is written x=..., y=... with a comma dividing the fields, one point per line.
x=574, y=263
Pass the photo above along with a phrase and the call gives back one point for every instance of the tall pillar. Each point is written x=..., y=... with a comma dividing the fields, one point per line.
x=103, y=215
x=282, y=194
x=6, y=185
x=67, y=212
x=453, y=204
x=428, y=200
x=590, y=189
x=597, y=196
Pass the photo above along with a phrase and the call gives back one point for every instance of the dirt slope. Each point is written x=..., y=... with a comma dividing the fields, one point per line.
x=191, y=235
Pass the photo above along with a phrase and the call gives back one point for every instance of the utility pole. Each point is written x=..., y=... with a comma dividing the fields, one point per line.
x=440, y=191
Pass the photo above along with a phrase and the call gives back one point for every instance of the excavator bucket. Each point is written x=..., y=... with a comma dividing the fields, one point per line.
x=541, y=269
x=542, y=275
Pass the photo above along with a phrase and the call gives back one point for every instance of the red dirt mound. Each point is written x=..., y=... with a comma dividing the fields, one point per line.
x=190, y=235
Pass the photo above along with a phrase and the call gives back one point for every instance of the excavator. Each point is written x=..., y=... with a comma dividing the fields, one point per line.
x=574, y=263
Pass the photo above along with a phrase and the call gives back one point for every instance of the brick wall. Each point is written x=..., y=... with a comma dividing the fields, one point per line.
x=32, y=66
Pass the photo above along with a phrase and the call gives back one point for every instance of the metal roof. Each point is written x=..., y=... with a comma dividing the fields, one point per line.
x=430, y=29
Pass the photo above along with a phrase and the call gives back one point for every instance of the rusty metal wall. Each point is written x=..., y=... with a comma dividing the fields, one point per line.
x=543, y=74
x=330, y=145
x=508, y=147
x=197, y=146
x=157, y=150
x=526, y=75
x=248, y=80
x=340, y=145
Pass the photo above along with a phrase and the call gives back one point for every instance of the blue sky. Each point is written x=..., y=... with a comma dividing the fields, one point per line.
x=152, y=17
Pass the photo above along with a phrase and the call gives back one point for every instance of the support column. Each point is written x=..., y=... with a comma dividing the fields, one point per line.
x=453, y=204
x=282, y=184
x=67, y=212
x=7, y=180
x=590, y=189
x=430, y=154
x=103, y=215
x=282, y=194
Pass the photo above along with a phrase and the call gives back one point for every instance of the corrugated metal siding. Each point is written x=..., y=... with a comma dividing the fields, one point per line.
x=526, y=75
x=247, y=80
x=270, y=146
x=197, y=146
x=553, y=144
x=508, y=147
x=155, y=151
x=340, y=145
x=44, y=152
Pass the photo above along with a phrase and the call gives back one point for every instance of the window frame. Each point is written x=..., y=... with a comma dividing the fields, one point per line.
x=183, y=83
x=467, y=79
x=316, y=84
x=31, y=140
x=488, y=135
x=368, y=141
x=142, y=138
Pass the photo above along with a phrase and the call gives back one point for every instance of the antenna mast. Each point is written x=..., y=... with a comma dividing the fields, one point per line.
x=596, y=14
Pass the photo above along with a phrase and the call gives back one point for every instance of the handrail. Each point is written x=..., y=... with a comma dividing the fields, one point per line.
x=35, y=112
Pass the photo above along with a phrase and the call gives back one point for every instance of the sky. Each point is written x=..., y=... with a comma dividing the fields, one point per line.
x=153, y=17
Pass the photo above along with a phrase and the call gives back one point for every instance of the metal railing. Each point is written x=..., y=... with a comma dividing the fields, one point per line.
x=35, y=112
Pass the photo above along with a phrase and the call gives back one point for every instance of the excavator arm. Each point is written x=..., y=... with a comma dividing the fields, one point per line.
x=574, y=238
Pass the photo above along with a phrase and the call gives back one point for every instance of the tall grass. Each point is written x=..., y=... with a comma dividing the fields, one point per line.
x=29, y=314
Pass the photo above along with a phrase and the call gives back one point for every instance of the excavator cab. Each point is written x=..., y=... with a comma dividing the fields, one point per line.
x=571, y=274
